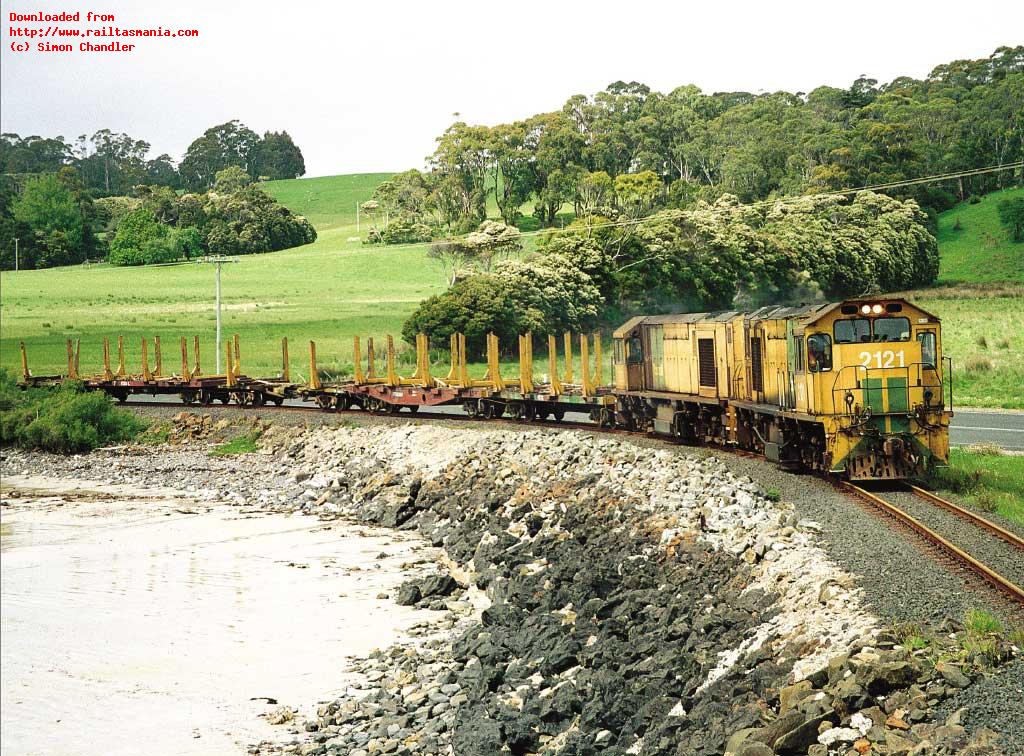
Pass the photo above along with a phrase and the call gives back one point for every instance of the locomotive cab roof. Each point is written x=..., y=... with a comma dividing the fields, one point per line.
x=806, y=314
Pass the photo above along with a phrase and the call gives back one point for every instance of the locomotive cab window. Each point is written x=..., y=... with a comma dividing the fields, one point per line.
x=819, y=352
x=892, y=329
x=634, y=351
x=927, y=339
x=852, y=331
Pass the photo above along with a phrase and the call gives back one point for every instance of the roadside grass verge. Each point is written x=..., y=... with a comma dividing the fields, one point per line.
x=985, y=478
x=246, y=443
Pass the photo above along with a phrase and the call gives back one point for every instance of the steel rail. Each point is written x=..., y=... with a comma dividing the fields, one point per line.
x=1003, y=584
x=1011, y=538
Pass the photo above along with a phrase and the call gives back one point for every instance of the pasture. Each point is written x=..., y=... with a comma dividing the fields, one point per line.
x=337, y=287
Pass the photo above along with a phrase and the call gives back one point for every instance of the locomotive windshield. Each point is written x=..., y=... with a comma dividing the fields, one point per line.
x=892, y=329
x=852, y=331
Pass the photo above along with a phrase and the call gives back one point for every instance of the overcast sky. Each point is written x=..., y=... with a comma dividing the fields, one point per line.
x=368, y=86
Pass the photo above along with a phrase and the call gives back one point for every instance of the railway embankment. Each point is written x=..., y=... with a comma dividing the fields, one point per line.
x=599, y=596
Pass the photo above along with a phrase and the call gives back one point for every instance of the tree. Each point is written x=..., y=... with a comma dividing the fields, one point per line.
x=594, y=192
x=228, y=144
x=141, y=240
x=480, y=250
x=52, y=212
x=1011, y=215
x=33, y=154
x=276, y=156
x=232, y=179
x=511, y=167
x=111, y=163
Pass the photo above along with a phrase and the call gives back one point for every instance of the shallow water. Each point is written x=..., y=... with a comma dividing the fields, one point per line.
x=131, y=625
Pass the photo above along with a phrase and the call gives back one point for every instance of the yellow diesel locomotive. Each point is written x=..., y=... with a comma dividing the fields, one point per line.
x=856, y=388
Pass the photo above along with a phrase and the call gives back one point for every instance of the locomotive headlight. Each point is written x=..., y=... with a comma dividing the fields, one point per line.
x=866, y=309
x=877, y=309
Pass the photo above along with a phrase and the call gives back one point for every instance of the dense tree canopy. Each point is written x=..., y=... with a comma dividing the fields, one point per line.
x=109, y=175
x=632, y=150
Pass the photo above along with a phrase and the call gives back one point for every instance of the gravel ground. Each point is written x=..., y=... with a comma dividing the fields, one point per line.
x=997, y=703
x=994, y=552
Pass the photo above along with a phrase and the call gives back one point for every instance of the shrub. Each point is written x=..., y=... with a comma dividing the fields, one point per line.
x=66, y=419
x=405, y=231
x=141, y=240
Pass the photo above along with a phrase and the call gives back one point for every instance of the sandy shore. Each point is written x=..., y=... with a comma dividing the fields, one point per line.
x=150, y=616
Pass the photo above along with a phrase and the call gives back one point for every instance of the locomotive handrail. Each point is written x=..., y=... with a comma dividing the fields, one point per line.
x=883, y=388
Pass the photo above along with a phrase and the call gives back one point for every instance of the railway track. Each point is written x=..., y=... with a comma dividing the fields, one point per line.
x=1004, y=585
x=943, y=544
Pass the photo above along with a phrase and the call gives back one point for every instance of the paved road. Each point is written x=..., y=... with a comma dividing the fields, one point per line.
x=1005, y=429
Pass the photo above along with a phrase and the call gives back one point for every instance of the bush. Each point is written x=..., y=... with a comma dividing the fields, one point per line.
x=406, y=231
x=141, y=240
x=66, y=419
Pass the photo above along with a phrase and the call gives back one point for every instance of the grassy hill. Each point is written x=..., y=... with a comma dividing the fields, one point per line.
x=327, y=291
x=975, y=248
x=980, y=298
x=338, y=287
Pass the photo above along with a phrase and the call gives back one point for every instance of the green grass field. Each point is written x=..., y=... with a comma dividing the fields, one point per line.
x=986, y=479
x=337, y=287
x=327, y=291
x=980, y=251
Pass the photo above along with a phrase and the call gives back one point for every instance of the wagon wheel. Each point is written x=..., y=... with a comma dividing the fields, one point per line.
x=487, y=410
x=324, y=401
x=393, y=409
x=342, y=402
x=515, y=411
x=205, y=397
x=559, y=414
x=242, y=398
x=607, y=417
x=258, y=399
x=414, y=408
x=472, y=408
x=277, y=400
x=224, y=398
x=530, y=412
x=189, y=397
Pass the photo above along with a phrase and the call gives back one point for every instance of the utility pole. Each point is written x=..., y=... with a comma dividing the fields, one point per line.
x=218, y=262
